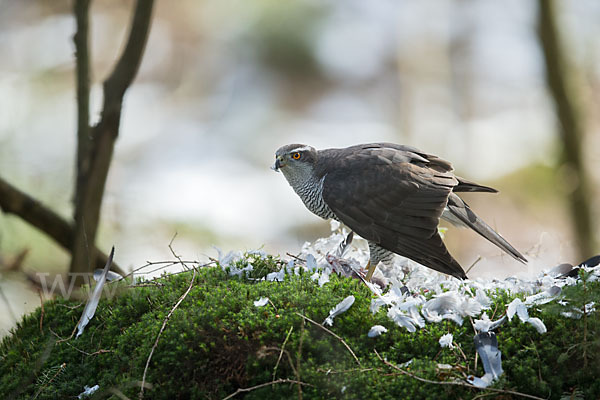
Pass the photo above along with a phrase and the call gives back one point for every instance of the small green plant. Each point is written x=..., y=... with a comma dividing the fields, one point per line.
x=579, y=302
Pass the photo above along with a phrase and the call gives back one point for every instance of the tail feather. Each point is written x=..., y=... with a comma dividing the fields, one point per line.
x=468, y=186
x=459, y=209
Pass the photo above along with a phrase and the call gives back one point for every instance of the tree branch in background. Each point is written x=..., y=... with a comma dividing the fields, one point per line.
x=14, y=201
x=571, y=131
x=103, y=136
x=82, y=57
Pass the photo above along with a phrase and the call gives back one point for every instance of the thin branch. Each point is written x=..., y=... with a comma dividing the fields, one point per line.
x=289, y=357
x=175, y=254
x=281, y=352
x=14, y=201
x=424, y=380
x=162, y=328
x=103, y=136
x=101, y=351
x=333, y=334
x=347, y=371
x=474, y=264
x=299, y=358
x=82, y=59
x=296, y=257
x=129, y=62
x=278, y=381
x=42, y=312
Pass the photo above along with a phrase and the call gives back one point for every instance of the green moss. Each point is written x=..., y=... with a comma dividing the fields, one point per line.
x=217, y=341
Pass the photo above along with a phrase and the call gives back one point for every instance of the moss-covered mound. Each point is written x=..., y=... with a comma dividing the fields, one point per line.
x=218, y=341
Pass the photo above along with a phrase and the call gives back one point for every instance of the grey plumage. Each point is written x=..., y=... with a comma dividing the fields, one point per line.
x=392, y=195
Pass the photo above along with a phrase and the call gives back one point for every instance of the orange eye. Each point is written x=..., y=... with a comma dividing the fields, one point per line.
x=296, y=156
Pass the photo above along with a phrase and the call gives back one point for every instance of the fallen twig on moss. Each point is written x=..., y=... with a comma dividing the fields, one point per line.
x=404, y=372
x=287, y=353
x=333, y=334
x=278, y=381
x=42, y=312
x=162, y=328
x=282, y=350
x=347, y=371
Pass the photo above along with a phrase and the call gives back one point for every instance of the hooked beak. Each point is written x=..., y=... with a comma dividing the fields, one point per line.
x=275, y=167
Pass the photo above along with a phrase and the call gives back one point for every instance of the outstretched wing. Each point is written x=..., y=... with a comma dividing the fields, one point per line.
x=394, y=196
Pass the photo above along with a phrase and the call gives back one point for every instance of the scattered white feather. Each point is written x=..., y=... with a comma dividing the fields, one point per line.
x=311, y=262
x=376, y=330
x=518, y=307
x=88, y=391
x=324, y=277
x=537, y=324
x=225, y=260
x=543, y=297
x=443, y=306
x=340, y=308
x=589, y=307
x=512, y=308
x=278, y=276
x=403, y=319
x=483, y=298
x=111, y=276
x=263, y=301
x=234, y=271
x=447, y=297
x=485, y=324
x=482, y=382
x=446, y=341
x=406, y=364
x=92, y=303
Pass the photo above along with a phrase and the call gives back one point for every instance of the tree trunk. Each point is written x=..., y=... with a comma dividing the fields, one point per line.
x=574, y=178
x=93, y=166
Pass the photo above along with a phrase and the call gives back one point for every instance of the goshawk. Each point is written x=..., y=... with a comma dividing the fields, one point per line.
x=391, y=195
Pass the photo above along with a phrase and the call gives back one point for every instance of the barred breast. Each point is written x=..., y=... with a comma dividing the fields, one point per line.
x=311, y=193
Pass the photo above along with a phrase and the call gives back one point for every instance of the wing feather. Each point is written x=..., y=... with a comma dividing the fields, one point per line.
x=393, y=196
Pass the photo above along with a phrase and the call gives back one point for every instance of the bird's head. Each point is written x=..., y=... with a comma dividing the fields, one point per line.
x=295, y=161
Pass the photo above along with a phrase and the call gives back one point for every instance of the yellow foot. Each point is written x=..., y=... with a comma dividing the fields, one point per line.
x=370, y=271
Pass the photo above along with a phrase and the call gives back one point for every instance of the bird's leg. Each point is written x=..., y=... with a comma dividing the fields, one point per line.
x=370, y=271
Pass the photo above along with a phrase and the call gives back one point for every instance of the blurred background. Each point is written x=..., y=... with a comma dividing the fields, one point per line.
x=224, y=83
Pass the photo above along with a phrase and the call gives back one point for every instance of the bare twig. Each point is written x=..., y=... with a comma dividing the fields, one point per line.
x=175, y=254
x=30, y=210
x=70, y=307
x=404, y=372
x=299, y=357
x=42, y=312
x=474, y=264
x=162, y=328
x=333, y=334
x=167, y=264
x=281, y=352
x=287, y=353
x=100, y=351
x=295, y=257
x=347, y=371
x=278, y=381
